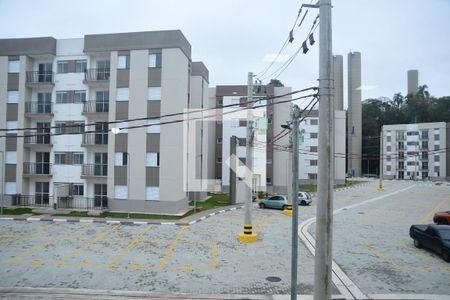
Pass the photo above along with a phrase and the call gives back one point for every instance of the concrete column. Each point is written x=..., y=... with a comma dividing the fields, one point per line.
x=413, y=81
x=338, y=72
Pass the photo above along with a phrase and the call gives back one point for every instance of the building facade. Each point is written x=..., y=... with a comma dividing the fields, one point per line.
x=73, y=95
x=416, y=151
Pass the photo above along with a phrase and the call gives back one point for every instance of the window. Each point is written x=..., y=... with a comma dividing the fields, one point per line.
x=219, y=140
x=313, y=149
x=77, y=189
x=121, y=159
x=63, y=66
x=10, y=188
x=388, y=168
x=388, y=148
x=269, y=161
x=62, y=127
x=388, y=138
x=154, y=60
x=152, y=159
x=436, y=158
x=436, y=137
x=155, y=127
x=313, y=162
x=13, y=96
x=62, y=97
x=11, y=125
x=123, y=94
x=313, y=135
x=424, y=144
x=60, y=158
x=219, y=160
x=42, y=192
x=312, y=176
x=11, y=157
x=154, y=93
x=121, y=192
x=424, y=134
x=80, y=97
x=123, y=62
x=152, y=193
x=314, y=121
x=13, y=66
x=78, y=158
x=268, y=180
x=80, y=66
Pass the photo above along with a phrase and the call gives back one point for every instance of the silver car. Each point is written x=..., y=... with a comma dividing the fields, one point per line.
x=304, y=198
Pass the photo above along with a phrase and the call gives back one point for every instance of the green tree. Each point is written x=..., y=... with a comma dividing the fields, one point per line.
x=276, y=82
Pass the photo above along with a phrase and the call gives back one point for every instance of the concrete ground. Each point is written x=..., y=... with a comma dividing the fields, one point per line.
x=371, y=244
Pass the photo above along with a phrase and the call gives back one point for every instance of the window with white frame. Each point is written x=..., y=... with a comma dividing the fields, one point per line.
x=152, y=159
x=77, y=189
x=123, y=62
x=78, y=158
x=11, y=125
x=13, y=96
x=155, y=127
x=62, y=97
x=121, y=159
x=123, y=94
x=11, y=157
x=154, y=93
x=80, y=96
x=10, y=188
x=152, y=193
x=154, y=60
x=60, y=158
x=13, y=66
x=120, y=192
x=80, y=66
x=63, y=66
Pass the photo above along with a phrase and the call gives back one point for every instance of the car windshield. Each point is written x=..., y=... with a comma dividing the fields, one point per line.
x=445, y=234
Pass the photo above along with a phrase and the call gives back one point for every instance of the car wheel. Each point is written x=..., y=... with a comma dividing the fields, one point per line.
x=283, y=207
x=446, y=256
x=417, y=243
x=303, y=202
x=261, y=205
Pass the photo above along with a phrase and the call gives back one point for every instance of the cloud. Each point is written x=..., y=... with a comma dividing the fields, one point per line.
x=273, y=57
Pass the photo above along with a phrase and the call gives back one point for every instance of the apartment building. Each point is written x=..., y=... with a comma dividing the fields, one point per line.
x=75, y=97
x=416, y=151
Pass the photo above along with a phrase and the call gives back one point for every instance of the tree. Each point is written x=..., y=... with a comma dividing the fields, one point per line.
x=276, y=82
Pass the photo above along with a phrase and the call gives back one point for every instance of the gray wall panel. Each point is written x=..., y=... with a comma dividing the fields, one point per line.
x=28, y=46
x=152, y=176
x=178, y=207
x=13, y=81
x=11, y=144
x=122, y=110
x=120, y=175
x=12, y=111
x=154, y=76
x=153, y=142
x=10, y=172
x=123, y=78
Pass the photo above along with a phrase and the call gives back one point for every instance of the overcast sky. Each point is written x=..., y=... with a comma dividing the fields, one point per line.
x=235, y=37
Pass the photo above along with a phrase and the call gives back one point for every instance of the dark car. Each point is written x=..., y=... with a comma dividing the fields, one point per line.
x=432, y=237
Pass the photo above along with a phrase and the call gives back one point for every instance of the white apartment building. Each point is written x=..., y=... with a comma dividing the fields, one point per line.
x=416, y=151
x=72, y=94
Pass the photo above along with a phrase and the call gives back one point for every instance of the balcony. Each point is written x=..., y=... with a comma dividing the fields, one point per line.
x=94, y=170
x=38, y=200
x=41, y=169
x=95, y=107
x=96, y=76
x=401, y=138
x=93, y=139
x=37, y=141
x=40, y=79
x=75, y=202
x=38, y=109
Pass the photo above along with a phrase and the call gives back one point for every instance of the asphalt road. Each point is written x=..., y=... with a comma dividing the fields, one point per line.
x=371, y=244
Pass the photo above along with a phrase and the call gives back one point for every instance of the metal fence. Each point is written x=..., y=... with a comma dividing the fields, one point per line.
x=74, y=202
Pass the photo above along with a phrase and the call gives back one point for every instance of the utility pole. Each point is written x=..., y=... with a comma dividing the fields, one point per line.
x=294, y=199
x=380, y=187
x=324, y=216
x=233, y=144
x=248, y=235
x=288, y=210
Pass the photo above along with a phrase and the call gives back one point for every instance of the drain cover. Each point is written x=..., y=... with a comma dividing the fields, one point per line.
x=273, y=279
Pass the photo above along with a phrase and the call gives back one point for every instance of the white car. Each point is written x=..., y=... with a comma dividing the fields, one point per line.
x=304, y=198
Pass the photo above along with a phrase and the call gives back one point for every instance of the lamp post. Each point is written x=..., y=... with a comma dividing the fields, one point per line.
x=115, y=131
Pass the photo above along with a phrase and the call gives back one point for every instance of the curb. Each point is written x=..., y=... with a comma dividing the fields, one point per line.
x=121, y=222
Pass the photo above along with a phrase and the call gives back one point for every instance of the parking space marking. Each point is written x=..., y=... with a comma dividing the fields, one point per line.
x=136, y=240
x=383, y=257
x=426, y=218
x=214, y=257
x=429, y=256
x=96, y=239
x=27, y=233
x=51, y=241
x=166, y=257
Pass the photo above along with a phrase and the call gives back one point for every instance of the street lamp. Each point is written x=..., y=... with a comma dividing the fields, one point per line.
x=115, y=131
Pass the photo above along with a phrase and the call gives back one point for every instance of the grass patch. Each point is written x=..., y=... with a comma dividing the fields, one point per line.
x=74, y=214
x=215, y=201
x=17, y=211
x=124, y=215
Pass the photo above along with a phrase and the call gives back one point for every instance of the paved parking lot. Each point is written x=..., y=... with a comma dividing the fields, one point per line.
x=371, y=244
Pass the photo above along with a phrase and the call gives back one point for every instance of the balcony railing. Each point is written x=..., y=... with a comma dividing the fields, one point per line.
x=76, y=202
x=94, y=170
x=96, y=75
x=40, y=77
x=401, y=138
x=94, y=106
x=100, y=138
x=33, y=107
x=39, y=168
x=38, y=200
x=32, y=138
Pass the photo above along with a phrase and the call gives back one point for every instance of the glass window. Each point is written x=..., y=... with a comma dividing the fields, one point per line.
x=314, y=121
x=121, y=159
x=60, y=127
x=11, y=125
x=120, y=192
x=155, y=128
x=123, y=94
x=123, y=62
x=80, y=97
x=80, y=66
x=219, y=140
x=152, y=159
x=154, y=60
x=13, y=66
x=78, y=158
x=11, y=157
x=152, y=193
x=13, y=96
x=63, y=66
x=77, y=189
x=62, y=97
x=154, y=93
x=60, y=158
x=10, y=188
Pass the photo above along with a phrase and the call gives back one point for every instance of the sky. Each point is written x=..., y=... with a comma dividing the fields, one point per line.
x=234, y=37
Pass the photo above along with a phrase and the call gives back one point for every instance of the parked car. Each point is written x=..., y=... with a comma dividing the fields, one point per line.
x=433, y=237
x=442, y=218
x=278, y=201
x=304, y=198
